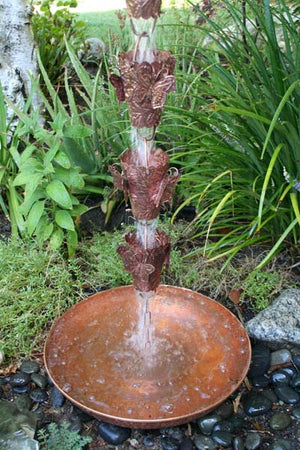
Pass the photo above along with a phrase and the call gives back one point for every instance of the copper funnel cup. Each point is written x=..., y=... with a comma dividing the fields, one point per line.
x=202, y=355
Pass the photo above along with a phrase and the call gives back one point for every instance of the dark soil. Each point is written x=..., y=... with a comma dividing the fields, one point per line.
x=4, y=226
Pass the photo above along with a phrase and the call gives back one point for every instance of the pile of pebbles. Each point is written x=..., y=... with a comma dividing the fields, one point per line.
x=263, y=413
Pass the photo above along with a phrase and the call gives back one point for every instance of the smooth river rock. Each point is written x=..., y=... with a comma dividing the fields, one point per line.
x=280, y=421
x=113, y=434
x=287, y=395
x=256, y=404
x=280, y=322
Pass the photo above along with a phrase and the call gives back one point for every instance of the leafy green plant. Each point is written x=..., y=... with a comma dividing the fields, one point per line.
x=61, y=437
x=242, y=130
x=67, y=158
x=260, y=286
x=51, y=21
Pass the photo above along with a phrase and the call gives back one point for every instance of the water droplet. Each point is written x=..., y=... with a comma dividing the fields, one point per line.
x=243, y=351
x=67, y=387
x=184, y=387
x=169, y=408
x=188, y=399
x=136, y=385
x=63, y=363
x=100, y=380
x=92, y=398
x=129, y=410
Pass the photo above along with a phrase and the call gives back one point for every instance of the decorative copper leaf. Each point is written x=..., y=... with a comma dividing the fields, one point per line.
x=146, y=86
x=160, y=90
x=145, y=265
x=150, y=186
x=143, y=8
x=172, y=179
x=119, y=181
x=117, y=83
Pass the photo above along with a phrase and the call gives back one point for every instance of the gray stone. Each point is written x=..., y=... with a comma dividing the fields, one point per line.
x=91, y=50
x=256, y=404
x=39, y=380
x=29, y=367
x=13, y=420
x=168, y=443
x=281, y=356
x=281, y=444
x=186, y=444
x=287, y=395
x=225, y=410
x=113, y=434
x=296, y=413
x=204, y=442
x=223, y=438
x=252, y=441
x=207, y=423
x=280, y=378
x=238, y=443
x=280, y=421
x=19, y=379
x=18, y=441
x=280, y=322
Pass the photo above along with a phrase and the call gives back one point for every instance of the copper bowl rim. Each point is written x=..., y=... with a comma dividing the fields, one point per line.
x=149, y=423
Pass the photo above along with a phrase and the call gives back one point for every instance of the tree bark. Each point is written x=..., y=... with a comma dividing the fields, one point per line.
x=17, y=52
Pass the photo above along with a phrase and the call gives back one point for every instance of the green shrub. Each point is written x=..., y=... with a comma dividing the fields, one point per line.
x=241, y=131
x=51, y=21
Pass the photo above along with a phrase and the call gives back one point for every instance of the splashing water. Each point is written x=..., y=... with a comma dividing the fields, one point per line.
x=142, y=338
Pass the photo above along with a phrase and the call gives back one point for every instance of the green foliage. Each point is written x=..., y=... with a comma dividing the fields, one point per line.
x=239, y=122
x=36, y=286
x=260, y=286
x=66, y=158
x=61, y=437
x=51, y=21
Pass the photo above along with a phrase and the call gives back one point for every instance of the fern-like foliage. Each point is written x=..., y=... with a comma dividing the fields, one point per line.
x=61, y=438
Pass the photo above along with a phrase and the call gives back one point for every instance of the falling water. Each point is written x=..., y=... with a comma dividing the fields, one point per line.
x=142, y=140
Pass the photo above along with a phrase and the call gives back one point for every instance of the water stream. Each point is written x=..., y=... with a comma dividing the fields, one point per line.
x=143, y=141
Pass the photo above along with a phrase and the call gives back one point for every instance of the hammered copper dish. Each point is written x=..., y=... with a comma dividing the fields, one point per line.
x=202, y=356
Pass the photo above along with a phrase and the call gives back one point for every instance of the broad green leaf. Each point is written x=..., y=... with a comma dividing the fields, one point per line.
x=30, y=200
x=44, y=229
x=77, y=131
x=81, y=155
x=78, y=210
x=57, y=192
x=51, y=153
x=56, y=239
x=22, y=178
x=64, y=220
x=72, y=242
x=63, y=160
x=70, y=177
x=34, y=216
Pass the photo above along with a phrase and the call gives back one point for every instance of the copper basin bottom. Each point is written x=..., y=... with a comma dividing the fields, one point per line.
x=202, y=354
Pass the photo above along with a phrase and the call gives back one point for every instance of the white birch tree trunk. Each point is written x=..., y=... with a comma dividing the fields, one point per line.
x=17, y=52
